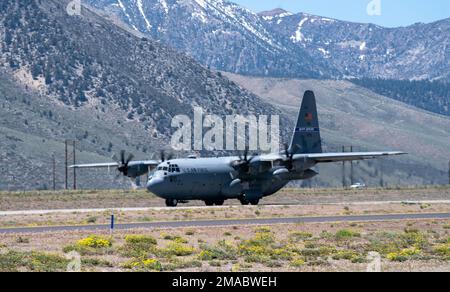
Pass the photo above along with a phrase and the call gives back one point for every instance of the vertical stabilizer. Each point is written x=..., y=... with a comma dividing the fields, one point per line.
x=306, y=137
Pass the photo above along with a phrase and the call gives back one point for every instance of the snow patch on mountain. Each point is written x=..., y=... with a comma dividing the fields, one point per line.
x=202, y=3
x=325, y=53
x=164, y=6
x=298, y=35
x=124, y=9
x=140, y=6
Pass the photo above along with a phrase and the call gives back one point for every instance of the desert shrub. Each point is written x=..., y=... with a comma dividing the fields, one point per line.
x=346, y=233
x=327, y=250
x=264, y=229
x=93, y=262
x=262, y=238
x=257, y=258
x=175, y=238
x=326, y=235
x=177, y=249
x=297, y=263
x=318, y=262
x=92, y=220
x=190, y=232
x=413, y=239
x=94, y=241
x=310, y=244
x=21, y=239
x=215, y=263
x=144, y=265
x=138, y=246
x=442, y=249
x=403, y=255
x=43, y=262
x=179, y=265
x=91, y=245
x=310, y=253
x=11, y=261
x=140, y=240
x=299, y=236
x=32, y=261
x=344, y=255
x=221, y=251
x=280, y=254
x=396, y=257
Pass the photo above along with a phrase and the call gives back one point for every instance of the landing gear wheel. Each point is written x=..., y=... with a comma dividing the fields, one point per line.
x=209, y=203
x=254, y=202
x=171, y=203
x=244, y=202
x=219, y=203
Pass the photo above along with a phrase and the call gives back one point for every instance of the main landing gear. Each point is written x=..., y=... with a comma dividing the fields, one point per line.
x=246, y=202
x=171, y=203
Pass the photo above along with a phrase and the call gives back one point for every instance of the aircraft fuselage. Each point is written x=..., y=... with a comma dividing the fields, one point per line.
x=211, y=179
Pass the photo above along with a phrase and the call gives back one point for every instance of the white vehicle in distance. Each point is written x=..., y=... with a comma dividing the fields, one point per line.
x=358, y=186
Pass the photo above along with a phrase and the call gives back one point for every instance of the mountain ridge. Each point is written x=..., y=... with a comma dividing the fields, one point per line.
x=295, y=45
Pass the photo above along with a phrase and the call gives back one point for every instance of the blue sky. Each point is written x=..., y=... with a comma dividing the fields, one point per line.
x=393, y=12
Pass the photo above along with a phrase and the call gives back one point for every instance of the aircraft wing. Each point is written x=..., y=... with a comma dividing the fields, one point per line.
x=95, y=165
x=346, y=156
x=332, y=157
x=147, y=163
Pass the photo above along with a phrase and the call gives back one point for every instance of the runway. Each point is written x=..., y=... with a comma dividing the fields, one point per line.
x=222, y=223
x=145, y=209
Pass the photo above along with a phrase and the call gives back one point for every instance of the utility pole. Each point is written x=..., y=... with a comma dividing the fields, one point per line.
x=449, y=172
x=66, y=165
x=381, y=174
x=352, y=182
x=54, y=172
x=343, y=170
x=74, y=170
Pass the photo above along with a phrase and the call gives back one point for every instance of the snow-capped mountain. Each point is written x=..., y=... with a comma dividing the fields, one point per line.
x=228, y=37
x=420, y=51
x=217, y=33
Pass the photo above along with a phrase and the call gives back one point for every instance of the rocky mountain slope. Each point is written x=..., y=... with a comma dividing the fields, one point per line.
x=91, y=79
x=85, y=78
x=219, y=34
x=228, y=37
x=419, y=51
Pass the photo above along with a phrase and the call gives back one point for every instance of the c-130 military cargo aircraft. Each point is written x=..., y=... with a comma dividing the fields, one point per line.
x=246, y=178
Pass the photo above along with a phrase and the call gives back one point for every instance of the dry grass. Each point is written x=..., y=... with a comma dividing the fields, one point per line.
x=118, y=198
x=301, y=247
x=218, y=213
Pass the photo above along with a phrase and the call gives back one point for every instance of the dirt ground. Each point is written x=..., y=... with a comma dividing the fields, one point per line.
x=299, y=247
x=408, y=245
x=120, y=199
x=218, y=213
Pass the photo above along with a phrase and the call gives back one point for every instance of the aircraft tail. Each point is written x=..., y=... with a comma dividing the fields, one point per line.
x=306, y=137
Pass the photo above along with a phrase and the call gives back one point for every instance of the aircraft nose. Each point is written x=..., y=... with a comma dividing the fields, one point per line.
x=155, y=185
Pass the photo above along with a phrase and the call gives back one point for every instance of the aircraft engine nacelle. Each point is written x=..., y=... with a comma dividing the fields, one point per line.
x=234, y=189
x=307, y=174
x=136, y=170
x=303, y=165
